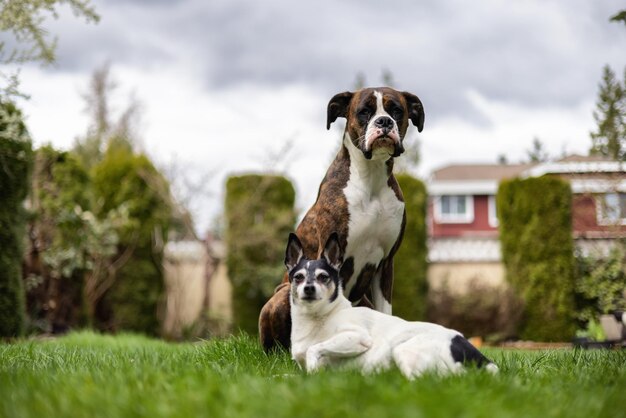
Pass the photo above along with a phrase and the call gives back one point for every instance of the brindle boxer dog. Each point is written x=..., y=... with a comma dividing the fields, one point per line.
x=360, y=199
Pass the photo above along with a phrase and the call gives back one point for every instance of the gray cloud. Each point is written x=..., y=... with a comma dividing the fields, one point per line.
x=541, y=53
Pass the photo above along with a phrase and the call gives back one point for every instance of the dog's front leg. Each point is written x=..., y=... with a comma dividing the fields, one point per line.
x=343, y=345
x=382, y=287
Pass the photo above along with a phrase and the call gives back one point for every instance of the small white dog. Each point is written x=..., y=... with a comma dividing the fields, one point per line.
x=328, y=330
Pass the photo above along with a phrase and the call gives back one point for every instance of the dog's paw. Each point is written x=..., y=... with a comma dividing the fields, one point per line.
x=367, y=341
x=313, y=361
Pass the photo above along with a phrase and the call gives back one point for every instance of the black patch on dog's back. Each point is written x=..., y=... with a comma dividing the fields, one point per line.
x=464, y=352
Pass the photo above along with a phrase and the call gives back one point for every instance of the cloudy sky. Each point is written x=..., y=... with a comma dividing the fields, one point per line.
x=232, y=86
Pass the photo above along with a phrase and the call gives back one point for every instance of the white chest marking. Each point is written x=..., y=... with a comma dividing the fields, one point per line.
x=375, y=213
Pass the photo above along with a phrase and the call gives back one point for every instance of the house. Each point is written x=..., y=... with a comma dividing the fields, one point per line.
x=463, y=222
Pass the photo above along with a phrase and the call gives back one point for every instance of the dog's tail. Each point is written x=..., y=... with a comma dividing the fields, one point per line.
x=464, y=352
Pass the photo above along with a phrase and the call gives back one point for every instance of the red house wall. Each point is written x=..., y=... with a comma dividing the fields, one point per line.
x=585, y=219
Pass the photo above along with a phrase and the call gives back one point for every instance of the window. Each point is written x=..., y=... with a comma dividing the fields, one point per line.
x=612, y=209
x=454, y=209
x=493, y=211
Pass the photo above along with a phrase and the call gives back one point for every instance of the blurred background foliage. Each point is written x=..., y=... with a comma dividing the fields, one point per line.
x=99, y=219
x=260, y=215
x=15, y=168
x=535, y=225
x=410, y=286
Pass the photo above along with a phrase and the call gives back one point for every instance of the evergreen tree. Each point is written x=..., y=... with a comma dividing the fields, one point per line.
x=619, y=17
x=535, y=218
x=609, y=139
x=16, y=163
x=537, y=154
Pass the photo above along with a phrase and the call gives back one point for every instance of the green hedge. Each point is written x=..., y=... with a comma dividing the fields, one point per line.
x=410, y=287
x=538, y=253
x=259, y=215
x=16, y=162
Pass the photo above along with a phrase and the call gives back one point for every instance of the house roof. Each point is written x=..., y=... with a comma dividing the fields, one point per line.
x=484, y=178
x=457, y=172
x=575, y=158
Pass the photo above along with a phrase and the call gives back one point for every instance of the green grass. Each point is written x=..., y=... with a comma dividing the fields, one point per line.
x=89, y=375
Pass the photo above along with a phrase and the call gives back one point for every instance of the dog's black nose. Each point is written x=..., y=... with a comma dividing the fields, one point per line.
x=384, y=122
x=309, y=290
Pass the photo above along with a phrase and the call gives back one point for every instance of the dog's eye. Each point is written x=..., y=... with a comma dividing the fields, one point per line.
x=397, y=113
x=364, y=114
x=323, y=278
x=298, y=277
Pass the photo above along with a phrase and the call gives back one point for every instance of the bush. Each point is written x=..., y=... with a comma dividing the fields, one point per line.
x=16, y=163
x=126, y=179
x=600, y=284
x=538, y=253
x=493, y=313
x=259, y=216
x=410, y=286
x=57, y=256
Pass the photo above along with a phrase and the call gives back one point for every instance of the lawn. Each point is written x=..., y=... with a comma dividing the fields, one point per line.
x=89, y=375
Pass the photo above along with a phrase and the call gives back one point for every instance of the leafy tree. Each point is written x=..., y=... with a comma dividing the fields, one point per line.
x=71, y=251
x=98, y=225
x=609, y=139
x=103, y=127
x=15, y=168
x=135, y=286
x=84, y=231
x=24, y=20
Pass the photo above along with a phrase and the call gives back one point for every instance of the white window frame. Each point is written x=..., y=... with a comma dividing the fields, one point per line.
x=601, y=204
x=447, y=218
x=492, y=210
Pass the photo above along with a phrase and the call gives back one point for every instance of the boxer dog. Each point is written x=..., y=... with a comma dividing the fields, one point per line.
x=328, y=331
x=359, y=198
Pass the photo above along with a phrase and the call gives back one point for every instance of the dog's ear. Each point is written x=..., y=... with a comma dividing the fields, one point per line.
x=333, y=252
x=338, y=107
x=416, y=110
x=294, y=252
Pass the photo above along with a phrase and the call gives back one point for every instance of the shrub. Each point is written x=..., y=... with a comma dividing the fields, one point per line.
x=129, y=180
x=16, y=163
x=57, y=255
x=410, y=286
x=600, y=284
x=493, y=313
x=538, y=253
x=259, y=217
